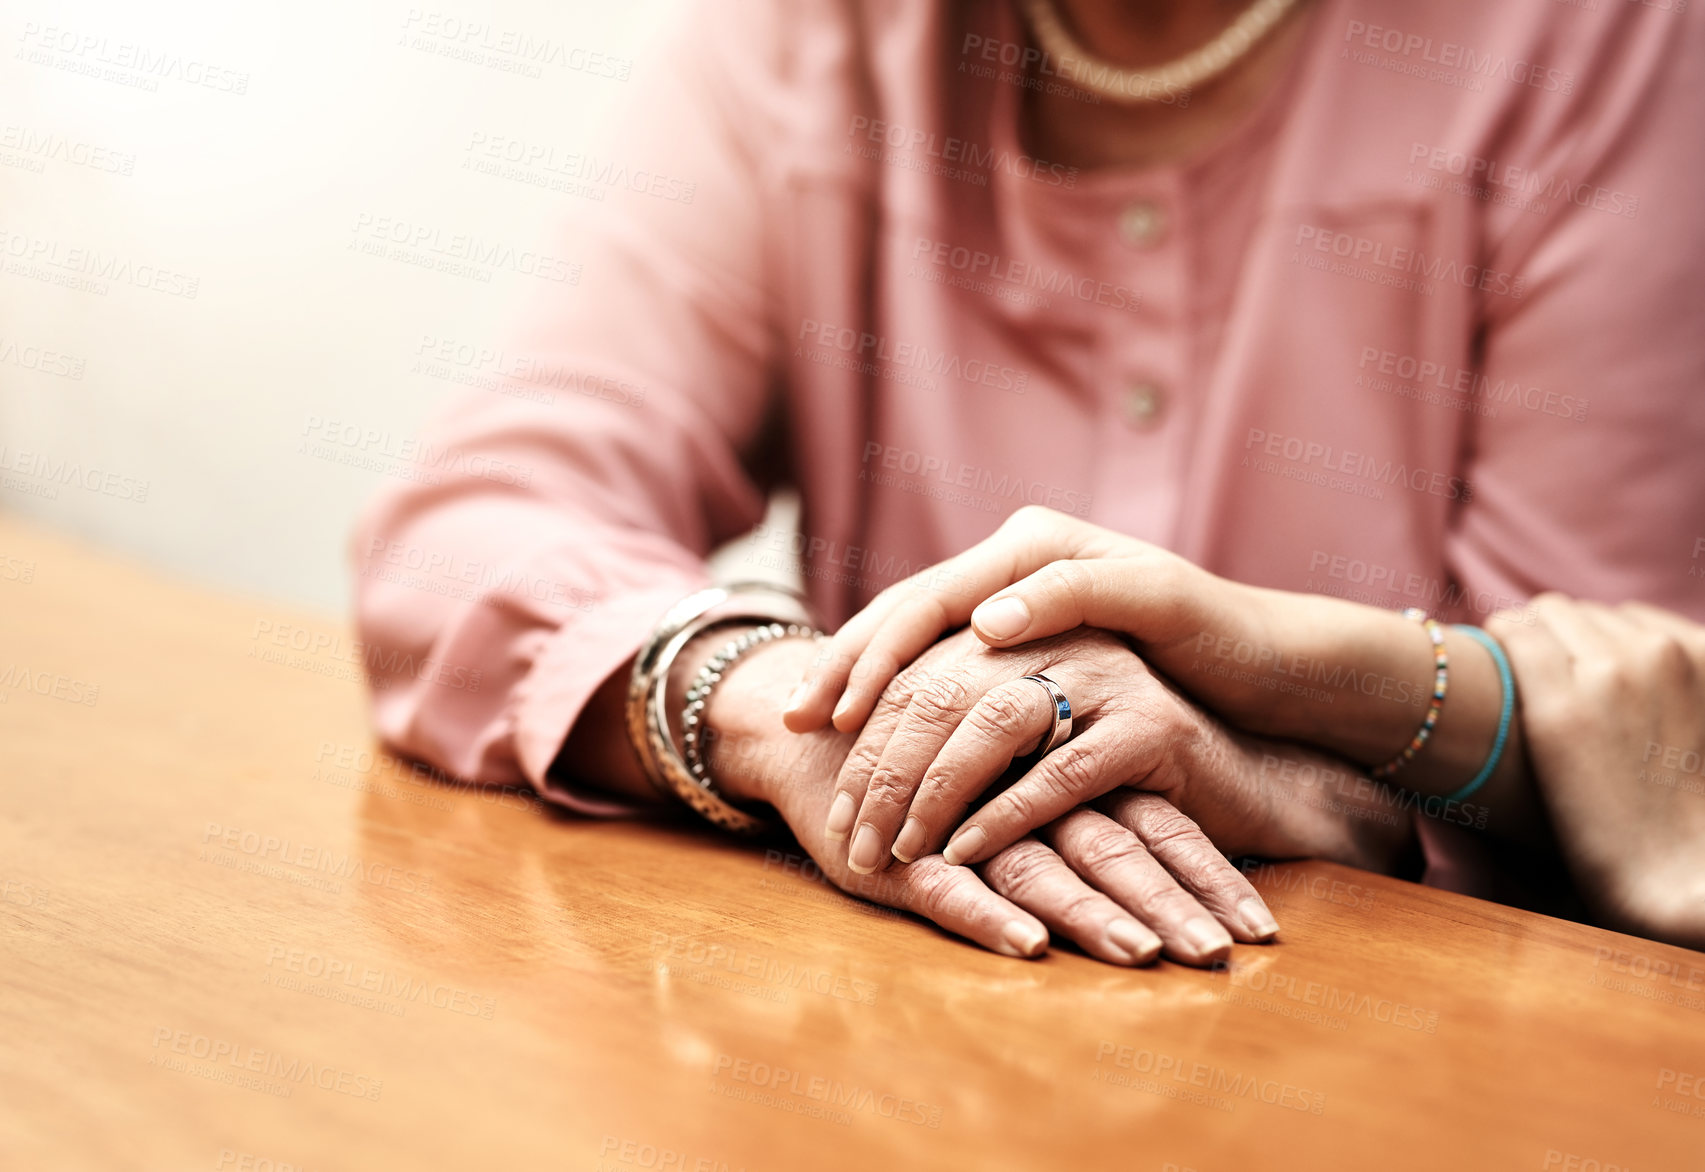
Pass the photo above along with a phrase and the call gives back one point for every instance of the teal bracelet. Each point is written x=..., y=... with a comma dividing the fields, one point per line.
x=1498, y=657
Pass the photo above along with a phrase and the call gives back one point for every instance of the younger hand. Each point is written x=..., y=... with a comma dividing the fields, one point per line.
x=1043, y=573
x=1613, y=706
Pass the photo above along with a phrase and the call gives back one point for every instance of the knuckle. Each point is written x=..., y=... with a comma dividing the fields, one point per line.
x=998, y=713
x=932, y=892
x=1607, y=681
x=888, y=788
x=938, y=789
x=1166, y=827
x=1069, y=578
x=1083, y=908
x=1030, y=519
x=1017, y=806
x=1070, y=770
x=943, y=700
x=1164, y=901
x=1108, y=848
x=1173, y=728
x=860, y=763
x=1044, y=797
x=1208, y=870
x=987, y=724
x=1020, y=869
x=1667, y=659
x=946, y=895
x=908, y=681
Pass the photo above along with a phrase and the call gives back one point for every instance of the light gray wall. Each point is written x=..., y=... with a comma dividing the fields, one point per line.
x=251, y=200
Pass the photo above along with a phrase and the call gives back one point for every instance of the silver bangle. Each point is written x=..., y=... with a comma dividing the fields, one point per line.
x=710, y=675
x=647, y=715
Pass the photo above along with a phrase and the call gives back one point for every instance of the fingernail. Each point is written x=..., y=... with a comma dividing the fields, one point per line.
x=1002, y=618
x=910, y=844
x=841, y=816
x=1021, y=939
x=1133, y=939
x=1257, y=918
x=866, y=850
x=793, y=698
x=964, y=844
x=1206, y=936
x=842, y=707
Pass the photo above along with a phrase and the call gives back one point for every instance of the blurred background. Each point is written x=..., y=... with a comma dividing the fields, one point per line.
x=222, y=307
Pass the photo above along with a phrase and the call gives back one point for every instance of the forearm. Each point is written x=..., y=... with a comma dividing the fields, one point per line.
x=1357, y=681
x=1369, y=676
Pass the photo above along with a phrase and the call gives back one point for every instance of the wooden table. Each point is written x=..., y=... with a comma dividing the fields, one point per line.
x=237, y=936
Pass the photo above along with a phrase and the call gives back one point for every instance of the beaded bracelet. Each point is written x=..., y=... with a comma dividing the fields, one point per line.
x=1441, y=682
x=698, y=696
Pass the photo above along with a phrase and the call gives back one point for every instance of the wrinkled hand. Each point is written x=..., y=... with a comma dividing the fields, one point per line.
x=1087, y=877
x=951, y=724
x=1037, y=886
x=1613, y=708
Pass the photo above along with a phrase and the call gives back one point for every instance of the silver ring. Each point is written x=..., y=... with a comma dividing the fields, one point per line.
x=1062, y=729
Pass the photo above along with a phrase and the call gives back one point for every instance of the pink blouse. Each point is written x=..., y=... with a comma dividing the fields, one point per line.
x=1423, y=330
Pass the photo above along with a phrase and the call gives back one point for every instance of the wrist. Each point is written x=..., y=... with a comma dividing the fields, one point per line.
x=1371, y=676
x=748, y=751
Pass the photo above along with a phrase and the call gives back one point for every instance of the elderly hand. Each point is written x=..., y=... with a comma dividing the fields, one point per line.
x=1087, y=877
x=952, y=723
x=1613, y=707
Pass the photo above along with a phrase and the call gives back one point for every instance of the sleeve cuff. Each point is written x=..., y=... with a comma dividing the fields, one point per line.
x=577, y=658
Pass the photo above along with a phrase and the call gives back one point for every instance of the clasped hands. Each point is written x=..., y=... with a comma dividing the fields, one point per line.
x=1117, y=840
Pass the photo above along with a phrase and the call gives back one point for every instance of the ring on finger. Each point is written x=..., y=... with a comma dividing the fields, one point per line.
x=1061, y=730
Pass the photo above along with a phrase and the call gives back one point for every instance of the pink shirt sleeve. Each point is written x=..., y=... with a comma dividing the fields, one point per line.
x=1589, y=478
x=552, y=522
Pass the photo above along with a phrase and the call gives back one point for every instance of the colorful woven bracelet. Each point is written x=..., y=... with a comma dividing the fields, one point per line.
x=1509, y=706
x=1441, y=682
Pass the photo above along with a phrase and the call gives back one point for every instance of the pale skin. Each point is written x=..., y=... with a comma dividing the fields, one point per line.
x=1125, y=879
x=910, y=780
x=1613, y=708
x=1614, y=712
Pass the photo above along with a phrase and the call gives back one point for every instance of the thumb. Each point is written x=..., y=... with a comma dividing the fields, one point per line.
x=1146, y=597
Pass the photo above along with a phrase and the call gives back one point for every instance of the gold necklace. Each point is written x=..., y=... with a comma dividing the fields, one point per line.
x=1161, y=83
